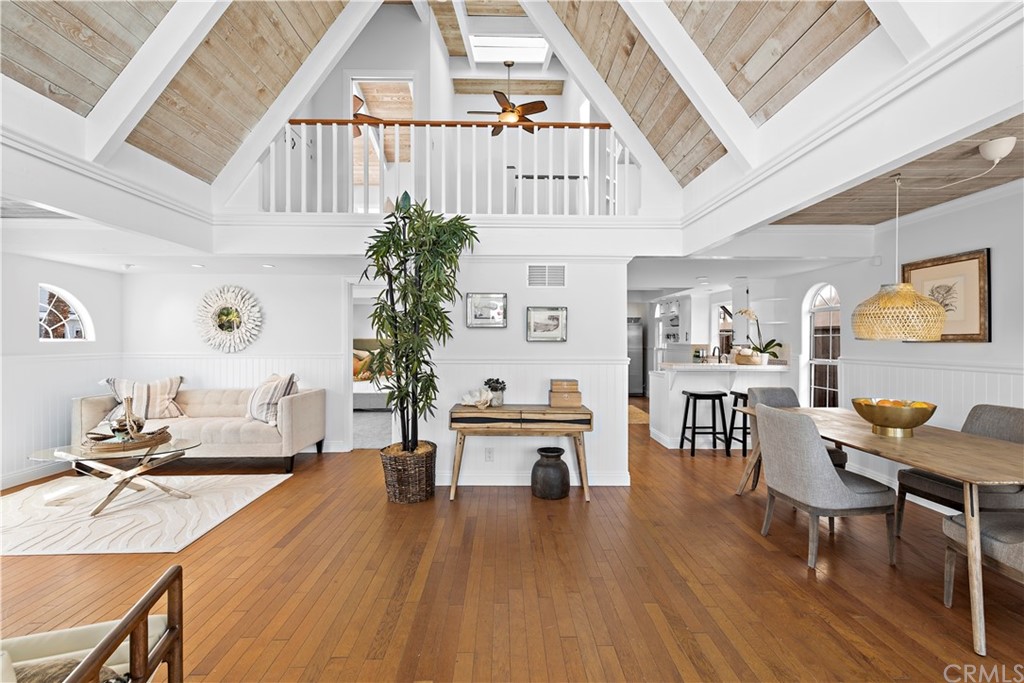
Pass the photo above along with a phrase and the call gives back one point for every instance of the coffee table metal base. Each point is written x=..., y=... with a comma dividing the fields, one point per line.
x=122, y=479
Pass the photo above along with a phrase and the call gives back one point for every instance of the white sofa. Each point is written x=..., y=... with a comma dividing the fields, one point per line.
x=217, y=419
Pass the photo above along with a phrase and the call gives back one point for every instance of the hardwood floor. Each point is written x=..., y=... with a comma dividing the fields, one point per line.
x=322, y=579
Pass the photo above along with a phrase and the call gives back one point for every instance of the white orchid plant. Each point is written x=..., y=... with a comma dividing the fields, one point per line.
x=760, y=346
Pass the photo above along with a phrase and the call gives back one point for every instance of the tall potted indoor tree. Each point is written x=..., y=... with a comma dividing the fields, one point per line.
x=416, y=257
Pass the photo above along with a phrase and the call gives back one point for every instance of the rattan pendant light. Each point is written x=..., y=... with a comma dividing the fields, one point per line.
x=898, y=312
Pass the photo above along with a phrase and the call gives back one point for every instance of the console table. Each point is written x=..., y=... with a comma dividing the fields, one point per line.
x=521, y=420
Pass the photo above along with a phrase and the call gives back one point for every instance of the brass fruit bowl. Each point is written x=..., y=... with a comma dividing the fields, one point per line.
x=894, y=420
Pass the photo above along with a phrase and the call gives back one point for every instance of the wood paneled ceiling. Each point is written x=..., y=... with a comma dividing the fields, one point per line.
x=71, y=52
x=874, y=201
x=643, y=86
x=494, y=8
x=766, y=53
x=230, y=81
x=448, y=24
x=519, y=86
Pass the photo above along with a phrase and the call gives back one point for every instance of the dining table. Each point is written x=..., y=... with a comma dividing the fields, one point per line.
x=974, y=460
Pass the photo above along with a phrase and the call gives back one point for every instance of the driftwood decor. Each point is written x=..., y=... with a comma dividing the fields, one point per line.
x=229, y=318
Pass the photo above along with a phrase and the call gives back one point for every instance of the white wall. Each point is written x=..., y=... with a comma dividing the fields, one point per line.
x=955, y=376
x=305, y=331
x=361, y=328
x=41, y=378
x=595, y=354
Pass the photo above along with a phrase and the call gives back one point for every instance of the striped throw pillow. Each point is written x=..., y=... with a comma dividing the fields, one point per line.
x=152, y=400
x=264, y=399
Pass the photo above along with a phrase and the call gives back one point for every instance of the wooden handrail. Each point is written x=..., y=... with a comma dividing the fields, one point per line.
x=135, y=625
x=405, y=123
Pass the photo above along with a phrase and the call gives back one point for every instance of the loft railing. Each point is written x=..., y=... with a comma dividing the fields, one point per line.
x=352, y=166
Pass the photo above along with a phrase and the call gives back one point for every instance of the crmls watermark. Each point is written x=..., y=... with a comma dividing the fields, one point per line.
x=983, y=673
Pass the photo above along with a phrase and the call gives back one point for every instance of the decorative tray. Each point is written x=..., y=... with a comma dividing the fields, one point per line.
x=109, y=443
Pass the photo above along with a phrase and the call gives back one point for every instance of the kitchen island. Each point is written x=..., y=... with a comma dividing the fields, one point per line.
x=665, y=390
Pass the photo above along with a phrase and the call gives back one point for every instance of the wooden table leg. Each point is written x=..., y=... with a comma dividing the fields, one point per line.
x=755, y=457
x=581, y=460
x=460, y=444
x=973, y=524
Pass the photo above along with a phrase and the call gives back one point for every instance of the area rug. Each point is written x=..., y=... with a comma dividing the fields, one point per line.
x=135, y=522
x=638, y=417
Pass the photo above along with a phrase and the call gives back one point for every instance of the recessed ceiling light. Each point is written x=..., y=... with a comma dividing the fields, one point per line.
x=198, y=265
x=269, y=265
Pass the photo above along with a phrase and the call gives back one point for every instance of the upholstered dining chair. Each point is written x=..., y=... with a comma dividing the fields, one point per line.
x=995, y=422
x=782, y=397
x=1002, y=546
x=798, y=471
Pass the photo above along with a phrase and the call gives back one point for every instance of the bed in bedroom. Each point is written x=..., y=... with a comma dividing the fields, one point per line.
x=365, y=394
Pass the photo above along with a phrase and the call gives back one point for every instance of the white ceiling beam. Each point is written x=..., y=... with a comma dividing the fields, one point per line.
x=422, y=10
x=691, y=70
x=321, y=61
x=138, y=86
x=661, y=191
x=462, y=16
x=900, y=27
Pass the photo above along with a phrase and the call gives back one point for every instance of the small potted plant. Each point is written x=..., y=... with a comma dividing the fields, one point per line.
x=761, y=347
x=497, y=387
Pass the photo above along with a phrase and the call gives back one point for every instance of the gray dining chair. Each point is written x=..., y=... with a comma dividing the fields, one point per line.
x=995, y=422
x=798, y=471
x=782, y=397
x=1002, y=546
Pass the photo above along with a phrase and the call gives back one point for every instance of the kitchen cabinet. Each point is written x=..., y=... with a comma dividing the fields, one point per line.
x=684, y=319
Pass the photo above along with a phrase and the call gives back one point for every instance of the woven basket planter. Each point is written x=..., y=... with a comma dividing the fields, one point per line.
x=409, y=478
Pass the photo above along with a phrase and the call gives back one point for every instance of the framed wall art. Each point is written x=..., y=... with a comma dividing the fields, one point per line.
x=546, y=324
x=486, y=310
x=960, y=283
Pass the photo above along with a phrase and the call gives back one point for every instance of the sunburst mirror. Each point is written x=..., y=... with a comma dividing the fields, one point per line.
x=229, y=318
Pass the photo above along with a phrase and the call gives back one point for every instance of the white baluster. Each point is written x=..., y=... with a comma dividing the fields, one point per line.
x=398, y=160
x=428, y=146
x=551, y=171
x=412, y=160
x=381, y=168
x=458, y=169
x=444, y=171
x=272, y=197
x=504, y=171
x=565, y=171
x=625, y=181
x=287, y=169
x=536, y=172
x=350, y=168
x=334, y=175
x=319, y=168
x=490, y=168
x=302, y=168
x=366, y=167
x=475, y=166
x=519, y=169
x=595, y=177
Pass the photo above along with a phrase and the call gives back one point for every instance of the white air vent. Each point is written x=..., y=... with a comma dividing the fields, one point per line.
x=545, y=276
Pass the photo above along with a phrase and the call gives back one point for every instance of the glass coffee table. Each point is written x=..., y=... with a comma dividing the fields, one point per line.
x=96, y=462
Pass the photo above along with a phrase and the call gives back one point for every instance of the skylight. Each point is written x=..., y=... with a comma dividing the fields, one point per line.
x=520, y=49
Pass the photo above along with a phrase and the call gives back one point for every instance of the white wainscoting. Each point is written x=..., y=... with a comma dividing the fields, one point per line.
x=604, y=384
x=208, y=371
x=953, y=388
x=37, y=393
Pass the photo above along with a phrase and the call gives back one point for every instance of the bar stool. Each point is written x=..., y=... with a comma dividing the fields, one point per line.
x=714, y=397
x=738, y=397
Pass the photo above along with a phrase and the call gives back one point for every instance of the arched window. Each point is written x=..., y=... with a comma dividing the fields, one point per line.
x=824, y=347
x=62, y=317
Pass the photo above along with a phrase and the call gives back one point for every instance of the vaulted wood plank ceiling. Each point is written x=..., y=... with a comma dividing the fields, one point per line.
x=643, y=86
x=448, y=24
x=874, y=201
x=766, y=53
x=517, y=86
x=71, y=52
x=494, y=8
x=230, y=81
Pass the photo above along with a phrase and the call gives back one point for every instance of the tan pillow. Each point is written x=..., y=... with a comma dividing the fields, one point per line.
x=152, y=400
x=264, y=398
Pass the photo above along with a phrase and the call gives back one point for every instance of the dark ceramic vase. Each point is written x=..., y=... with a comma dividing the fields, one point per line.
x=550, y=476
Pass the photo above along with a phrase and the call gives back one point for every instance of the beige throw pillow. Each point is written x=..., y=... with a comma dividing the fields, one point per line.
x=264, y=399
x=152, y=400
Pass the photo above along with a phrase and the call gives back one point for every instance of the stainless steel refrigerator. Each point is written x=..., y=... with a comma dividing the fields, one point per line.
x=635, y=351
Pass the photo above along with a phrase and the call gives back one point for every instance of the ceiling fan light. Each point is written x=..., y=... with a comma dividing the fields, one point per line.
x=508, y=117
x=898, y=313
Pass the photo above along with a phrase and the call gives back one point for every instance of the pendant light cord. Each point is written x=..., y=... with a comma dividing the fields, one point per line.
x=898, y=178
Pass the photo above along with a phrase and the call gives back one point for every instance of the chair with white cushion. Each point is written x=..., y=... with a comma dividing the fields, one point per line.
x=133, y=647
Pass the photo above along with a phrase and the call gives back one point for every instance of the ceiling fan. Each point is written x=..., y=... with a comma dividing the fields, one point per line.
x=511, y=113
x=357, y=104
